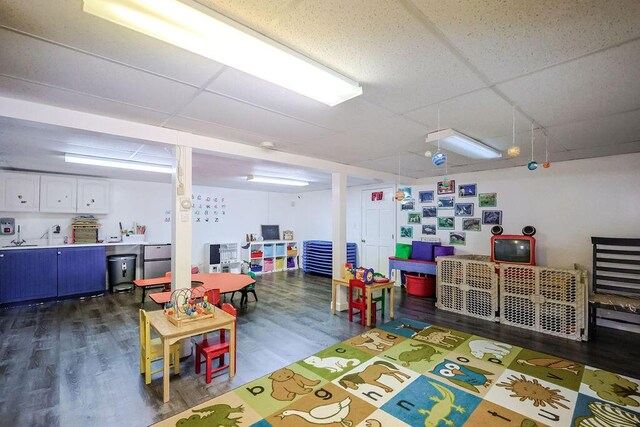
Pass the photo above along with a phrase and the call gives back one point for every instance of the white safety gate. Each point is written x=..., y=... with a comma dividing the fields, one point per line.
x=468, y=285
x=544, y=299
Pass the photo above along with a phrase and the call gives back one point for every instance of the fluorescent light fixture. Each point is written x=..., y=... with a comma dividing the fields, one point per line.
x=278, y=181
x=457, y=142
x=217, y=37
x=115, y=163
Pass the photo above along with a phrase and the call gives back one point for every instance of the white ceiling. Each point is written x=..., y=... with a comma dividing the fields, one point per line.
x=570, y=67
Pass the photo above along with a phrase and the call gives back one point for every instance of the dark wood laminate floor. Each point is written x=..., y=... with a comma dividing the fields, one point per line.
x=75, y=362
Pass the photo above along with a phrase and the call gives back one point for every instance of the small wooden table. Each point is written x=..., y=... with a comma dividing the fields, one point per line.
x=390, y=285
x=170, y=333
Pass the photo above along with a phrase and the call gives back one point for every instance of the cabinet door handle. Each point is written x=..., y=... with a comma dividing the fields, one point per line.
x=1, y=255
x=59, y=253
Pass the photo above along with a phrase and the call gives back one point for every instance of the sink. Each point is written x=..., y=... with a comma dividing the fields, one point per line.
x=21, y=246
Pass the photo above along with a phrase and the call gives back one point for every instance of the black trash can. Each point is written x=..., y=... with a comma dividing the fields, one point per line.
x=122, y=272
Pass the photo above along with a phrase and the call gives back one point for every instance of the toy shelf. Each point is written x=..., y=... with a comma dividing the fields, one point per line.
x=267, y=257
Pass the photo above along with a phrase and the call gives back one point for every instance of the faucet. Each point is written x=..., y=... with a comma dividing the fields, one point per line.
x=18, y=241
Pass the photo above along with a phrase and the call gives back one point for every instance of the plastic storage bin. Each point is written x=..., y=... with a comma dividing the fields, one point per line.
x=420, y=286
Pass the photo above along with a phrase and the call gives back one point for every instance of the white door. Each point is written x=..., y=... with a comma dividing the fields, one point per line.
x=21, y=192
x=93, y=196
x=57, y=194
x=378, y=229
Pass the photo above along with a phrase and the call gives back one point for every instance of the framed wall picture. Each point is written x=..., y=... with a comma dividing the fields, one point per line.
x=463, y=209
x=429, y=212
x=429, y=229
x=457, y=238
x=447, y=187
x=413, y=217
x=446, y=202
x=425, y=196
x=446, y=223
x=407, y=205
x=487, y=200
x=467, y=190
x=404, y=193
x=492, y=217
x=406, y=232
x=470, y=224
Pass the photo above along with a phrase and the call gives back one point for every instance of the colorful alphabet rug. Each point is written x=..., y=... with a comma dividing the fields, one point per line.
x=408, y=373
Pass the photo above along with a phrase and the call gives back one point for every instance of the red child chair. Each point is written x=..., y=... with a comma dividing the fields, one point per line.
x=359, y=302
x=214, y=350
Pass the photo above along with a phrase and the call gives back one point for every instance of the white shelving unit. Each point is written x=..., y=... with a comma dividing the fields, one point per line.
x=222, y=258
x=272, y=255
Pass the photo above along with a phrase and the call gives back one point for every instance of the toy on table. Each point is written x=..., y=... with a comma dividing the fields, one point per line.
x=188, y=305
x=361, y=273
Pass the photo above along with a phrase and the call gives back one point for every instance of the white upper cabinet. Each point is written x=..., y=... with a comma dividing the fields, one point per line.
x=58, y=194
x=19, y=192
x=93, y=196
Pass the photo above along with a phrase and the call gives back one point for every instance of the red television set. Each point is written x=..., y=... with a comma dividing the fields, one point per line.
x=513, y=249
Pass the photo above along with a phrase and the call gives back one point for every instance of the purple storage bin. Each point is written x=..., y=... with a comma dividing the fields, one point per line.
x=442, y=251
x=423, y=251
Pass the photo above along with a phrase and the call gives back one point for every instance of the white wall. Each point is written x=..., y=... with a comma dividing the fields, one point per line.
x=567, y=203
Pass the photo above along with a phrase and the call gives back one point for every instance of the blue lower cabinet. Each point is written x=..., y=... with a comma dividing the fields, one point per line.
x=81, y=270
x=28, y=274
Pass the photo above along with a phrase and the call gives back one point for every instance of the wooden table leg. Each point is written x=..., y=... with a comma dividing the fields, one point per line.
x=333, y=297
x=166, y=361
x=391, y=302
x=232, y=352
x=368, y=306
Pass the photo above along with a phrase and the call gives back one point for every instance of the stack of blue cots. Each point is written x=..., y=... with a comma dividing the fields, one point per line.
x=316, y=256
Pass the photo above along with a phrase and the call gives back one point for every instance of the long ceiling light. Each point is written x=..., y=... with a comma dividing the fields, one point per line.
x=116, y=163
x=278, y=181
x=457, y=142
x=217, y=37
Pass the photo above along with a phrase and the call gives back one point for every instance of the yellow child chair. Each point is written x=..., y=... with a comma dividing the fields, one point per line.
x=151, y=350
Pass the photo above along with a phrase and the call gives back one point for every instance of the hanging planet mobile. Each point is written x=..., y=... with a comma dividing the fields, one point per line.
x=532, y=165
x=439, y=158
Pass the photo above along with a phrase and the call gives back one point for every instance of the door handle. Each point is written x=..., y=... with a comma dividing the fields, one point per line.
x=59, y=253
x=363, y=241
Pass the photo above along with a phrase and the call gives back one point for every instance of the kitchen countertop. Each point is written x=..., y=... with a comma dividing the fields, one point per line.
x=82, y=245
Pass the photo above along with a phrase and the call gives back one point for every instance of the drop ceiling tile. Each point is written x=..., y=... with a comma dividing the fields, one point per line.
x=235, y=114
x=256, y=14
x=594, y=86
x=378, y=43
x=505, y=39
x=19, y=89
x=611, y=130
x=33, y=60
x=481, y=114
x=394, y=134
x=355, y=113
x=602, y=151
x=64, y=22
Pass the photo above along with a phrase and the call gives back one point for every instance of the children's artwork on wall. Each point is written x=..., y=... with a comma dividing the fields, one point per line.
x=487, y=200
x=425, y=196
x=413, y=217
x=467, y=190
x=429, y=212
x=446, y=222
x=446, y=202
x=492, y=217
x=471, y=224
x=207, y=209
x=407, y=205
x=457, y=238
x=429, y=229
x=406, y=232
x=463, y=209
x=377, y=195
x=447, y=186
x=404, y=193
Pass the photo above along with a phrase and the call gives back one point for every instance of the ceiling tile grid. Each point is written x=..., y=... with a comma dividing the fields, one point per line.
x=506, y=39
x=64, y=22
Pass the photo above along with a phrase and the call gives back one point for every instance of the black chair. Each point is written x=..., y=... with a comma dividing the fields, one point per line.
x=249, y=289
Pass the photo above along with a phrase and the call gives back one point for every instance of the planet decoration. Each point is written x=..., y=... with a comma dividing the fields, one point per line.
x=428, y=153
x=532, y=165
x=546, y=165
x=513, y=151
x=439, y=158
x=399, y=196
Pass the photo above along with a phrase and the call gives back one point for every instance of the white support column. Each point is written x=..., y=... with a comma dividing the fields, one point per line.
x=181, y=220
x=339, y=233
